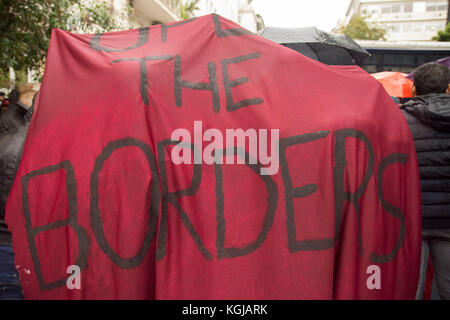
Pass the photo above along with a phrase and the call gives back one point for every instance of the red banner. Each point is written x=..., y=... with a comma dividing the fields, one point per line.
x=99, y=209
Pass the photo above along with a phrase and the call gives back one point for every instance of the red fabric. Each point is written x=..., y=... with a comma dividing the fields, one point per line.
x=92, y=155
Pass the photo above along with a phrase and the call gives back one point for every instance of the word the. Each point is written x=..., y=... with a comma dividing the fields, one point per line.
x=181, y=83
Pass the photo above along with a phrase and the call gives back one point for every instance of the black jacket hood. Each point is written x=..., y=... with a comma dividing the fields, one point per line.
x=431, y=109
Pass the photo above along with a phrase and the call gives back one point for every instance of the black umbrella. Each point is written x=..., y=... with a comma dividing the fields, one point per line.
x=329, y=48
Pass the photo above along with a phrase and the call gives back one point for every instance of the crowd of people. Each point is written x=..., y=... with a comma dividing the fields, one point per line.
x=427, y=113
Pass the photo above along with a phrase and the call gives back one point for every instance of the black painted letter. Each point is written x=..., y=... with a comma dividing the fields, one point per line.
x=272, y=199
x=231, y=106
x=221, y=33
x=394, y=211
x=340, y=195
x=32, y=232
x=171, y=197
x=211, y=86
x=165, y=27
x=96, y=220
x=142, y=38
x=143, y=72
x=292, y=192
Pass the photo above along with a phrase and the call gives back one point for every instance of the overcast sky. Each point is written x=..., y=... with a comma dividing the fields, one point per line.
x=322, y=14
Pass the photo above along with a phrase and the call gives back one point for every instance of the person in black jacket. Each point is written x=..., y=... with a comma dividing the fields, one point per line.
x=428, y=115
x=13, y=116
x=11, y=145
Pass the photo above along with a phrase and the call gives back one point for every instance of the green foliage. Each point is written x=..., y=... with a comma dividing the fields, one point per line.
x=443, y=35
x=26, y=27
x=4, y=81
x=187, y=10
x=358, y=29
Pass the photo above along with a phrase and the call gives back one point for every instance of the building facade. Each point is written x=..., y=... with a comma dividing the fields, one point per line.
x=150, y=12
x=239, y=11
x=129, y=14
x=412, y=20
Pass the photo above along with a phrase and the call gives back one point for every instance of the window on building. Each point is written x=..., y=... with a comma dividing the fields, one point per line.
x=407, y=27
x=434, y=6
x=430, y=27
x=408, y=7
x=395, y=27
x=372, y=9
x=392, y=27
x=418, y=27
x=419, y=6
x=396, y=8
x=434, y=26
x=386, y=9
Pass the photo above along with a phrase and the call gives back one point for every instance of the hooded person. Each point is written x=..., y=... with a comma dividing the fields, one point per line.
x=13, y=116
x=19, y=99
x=11, y=146
x=428, y=115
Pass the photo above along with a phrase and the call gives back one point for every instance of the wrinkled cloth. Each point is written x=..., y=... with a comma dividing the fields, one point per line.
x=97, y=186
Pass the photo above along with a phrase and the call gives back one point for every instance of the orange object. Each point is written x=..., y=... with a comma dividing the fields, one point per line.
x=395, y=83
